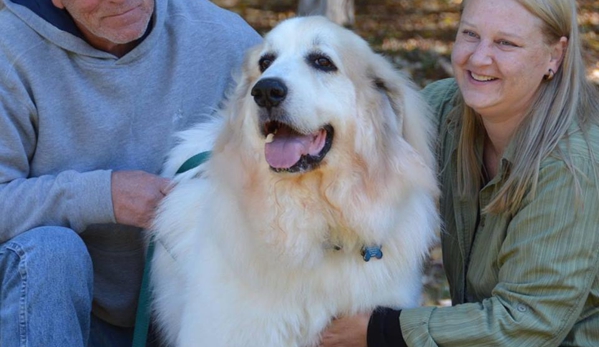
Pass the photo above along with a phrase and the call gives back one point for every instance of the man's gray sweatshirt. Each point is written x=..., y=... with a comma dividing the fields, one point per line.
x=70, y=114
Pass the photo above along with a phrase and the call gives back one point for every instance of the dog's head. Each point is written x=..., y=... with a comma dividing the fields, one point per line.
x=317, y=89
x=320, y=123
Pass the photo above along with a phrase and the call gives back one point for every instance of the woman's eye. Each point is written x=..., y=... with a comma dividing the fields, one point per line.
x=507, y=43
x=470, y=33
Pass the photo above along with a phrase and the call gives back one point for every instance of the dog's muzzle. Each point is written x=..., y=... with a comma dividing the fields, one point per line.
x=287, y=149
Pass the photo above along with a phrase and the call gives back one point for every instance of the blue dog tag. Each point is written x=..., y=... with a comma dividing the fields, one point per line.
x=372, y=251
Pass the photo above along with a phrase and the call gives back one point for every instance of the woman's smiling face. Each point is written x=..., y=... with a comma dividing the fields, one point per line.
x=500, y=57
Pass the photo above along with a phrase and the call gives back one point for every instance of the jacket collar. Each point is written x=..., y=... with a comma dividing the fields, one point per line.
x=58, y=27
x=53, y=15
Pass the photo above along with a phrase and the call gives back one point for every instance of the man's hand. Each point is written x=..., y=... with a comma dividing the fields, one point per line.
x=346, y=332
x=135, y=196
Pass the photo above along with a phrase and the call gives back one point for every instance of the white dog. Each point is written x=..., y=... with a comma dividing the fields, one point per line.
x=321, y=164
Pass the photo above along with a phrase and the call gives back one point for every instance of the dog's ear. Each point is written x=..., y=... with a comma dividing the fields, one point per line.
x=247, y=73
x=412, y=112
x=250, y=67
x=244, y=78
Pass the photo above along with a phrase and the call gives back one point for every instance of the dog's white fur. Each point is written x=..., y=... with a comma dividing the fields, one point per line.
x=245, y=255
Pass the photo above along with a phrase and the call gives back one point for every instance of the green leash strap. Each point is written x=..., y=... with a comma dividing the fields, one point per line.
x=194, y=161
x=142, y=317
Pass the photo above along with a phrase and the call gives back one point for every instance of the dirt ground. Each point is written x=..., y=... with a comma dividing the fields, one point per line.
x=417, y=35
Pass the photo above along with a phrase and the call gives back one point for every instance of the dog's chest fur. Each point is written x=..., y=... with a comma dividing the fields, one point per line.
x=269, y=277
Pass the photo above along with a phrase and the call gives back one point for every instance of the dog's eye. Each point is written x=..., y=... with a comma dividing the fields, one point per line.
x=265, y=62
x=322, y=62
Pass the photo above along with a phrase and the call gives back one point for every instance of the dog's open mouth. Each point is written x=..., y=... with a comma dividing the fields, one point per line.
x=288, y=150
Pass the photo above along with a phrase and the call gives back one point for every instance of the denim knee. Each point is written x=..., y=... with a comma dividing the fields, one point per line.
x=46, y=289
x=55, y=255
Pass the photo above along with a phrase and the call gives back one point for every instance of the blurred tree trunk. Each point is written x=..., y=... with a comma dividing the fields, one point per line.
x=339, y=11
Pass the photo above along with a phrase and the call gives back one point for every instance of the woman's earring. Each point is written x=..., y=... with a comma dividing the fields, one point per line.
x=549, y=75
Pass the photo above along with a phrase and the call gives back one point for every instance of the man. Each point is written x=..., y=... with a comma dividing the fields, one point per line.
x=91, y=93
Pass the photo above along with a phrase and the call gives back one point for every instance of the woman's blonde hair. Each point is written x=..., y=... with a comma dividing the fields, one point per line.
x=568, y=97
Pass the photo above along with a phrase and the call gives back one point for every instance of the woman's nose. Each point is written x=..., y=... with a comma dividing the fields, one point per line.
x=482, y=54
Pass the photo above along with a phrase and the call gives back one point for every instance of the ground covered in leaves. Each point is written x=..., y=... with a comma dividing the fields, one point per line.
x=417, y=35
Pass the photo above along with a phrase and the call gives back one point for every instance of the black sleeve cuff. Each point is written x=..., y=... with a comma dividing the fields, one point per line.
x=384, y=329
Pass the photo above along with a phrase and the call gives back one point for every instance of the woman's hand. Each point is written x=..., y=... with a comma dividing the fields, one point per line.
x=346, y=332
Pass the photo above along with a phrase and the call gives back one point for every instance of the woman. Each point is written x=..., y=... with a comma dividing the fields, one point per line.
x=518, y=150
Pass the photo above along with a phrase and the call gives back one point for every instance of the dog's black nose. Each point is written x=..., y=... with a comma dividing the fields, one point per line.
x=269, y=92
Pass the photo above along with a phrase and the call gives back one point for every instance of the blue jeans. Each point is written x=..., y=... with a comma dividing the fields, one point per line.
x=46, y=292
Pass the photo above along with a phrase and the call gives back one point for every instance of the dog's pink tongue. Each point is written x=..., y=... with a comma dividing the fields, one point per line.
x=288, y=146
